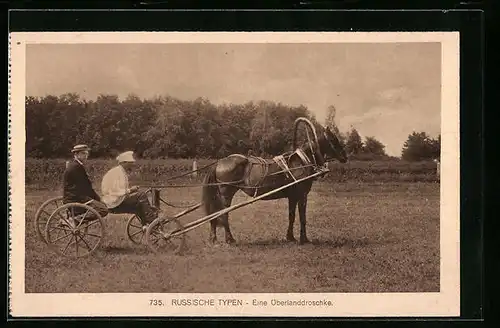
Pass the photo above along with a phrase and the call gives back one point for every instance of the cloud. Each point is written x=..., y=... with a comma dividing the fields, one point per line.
x=389, y=125
x=384, y=90
x=126, y=78
x=394, y=95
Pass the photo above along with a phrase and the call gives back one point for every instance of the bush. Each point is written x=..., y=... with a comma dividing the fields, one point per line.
x=48, y=173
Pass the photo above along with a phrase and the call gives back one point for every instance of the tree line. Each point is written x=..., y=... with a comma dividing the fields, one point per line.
x=167, y=127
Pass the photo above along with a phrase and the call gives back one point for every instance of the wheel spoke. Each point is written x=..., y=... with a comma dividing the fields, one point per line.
x=64, y=219
x=136, y=233
x=92, y=223
x=58, y=233
x=133, y=229
x=85, y=242
x=159, y=236
x=44, y=211
x=60, y=228
x=67, y=245
x=69, y=234
x=76, y=245
x=83, y=218
x=73, y=221
x=93, y=235
x=83, y=228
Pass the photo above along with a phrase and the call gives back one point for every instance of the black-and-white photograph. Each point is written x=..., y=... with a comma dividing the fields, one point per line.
x=231, y=167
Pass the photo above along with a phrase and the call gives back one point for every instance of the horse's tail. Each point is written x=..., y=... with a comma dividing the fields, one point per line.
x=210, y=192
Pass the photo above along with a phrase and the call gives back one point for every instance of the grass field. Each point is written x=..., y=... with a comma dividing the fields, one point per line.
x=366, y=237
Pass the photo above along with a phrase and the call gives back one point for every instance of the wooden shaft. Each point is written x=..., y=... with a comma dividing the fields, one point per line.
x=189, y=210
x=210, y=217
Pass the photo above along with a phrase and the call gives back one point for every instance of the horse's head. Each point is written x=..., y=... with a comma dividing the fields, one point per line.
x=333, y=147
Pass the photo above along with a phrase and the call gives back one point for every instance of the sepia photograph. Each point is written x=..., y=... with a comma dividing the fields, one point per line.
x=235, y=174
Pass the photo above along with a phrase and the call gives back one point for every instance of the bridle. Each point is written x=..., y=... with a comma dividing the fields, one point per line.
x=332, y=146
x=305, y=159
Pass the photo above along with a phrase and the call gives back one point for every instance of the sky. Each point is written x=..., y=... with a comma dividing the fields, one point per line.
x=385, y=90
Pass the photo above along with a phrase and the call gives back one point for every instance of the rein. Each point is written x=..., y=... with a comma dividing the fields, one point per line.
x=315, y=153
x=191, y=172
x=233, y=183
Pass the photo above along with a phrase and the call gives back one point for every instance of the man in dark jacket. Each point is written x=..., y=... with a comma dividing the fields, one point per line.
x=77, y=185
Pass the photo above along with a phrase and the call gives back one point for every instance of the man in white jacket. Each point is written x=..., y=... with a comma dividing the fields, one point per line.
x=119, y=197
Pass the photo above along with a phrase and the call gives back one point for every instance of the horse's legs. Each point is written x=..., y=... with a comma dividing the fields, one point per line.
x=292, y=205
x=213, y=232
x=227, y=199
x=214, y=206
x=216, y=196
x=302, y=217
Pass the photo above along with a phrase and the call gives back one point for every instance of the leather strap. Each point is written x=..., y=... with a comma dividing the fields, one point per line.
x=303, y=156
x=280, y=160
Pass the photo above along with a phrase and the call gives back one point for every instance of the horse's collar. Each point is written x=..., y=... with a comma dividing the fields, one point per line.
x=303, y=156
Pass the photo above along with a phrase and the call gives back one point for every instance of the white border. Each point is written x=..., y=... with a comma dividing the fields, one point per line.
x=444, y=303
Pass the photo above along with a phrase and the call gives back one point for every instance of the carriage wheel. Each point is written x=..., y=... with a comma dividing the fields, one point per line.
x=43, y=213
x=159, y=235
x=74, y=230
x=135, y=231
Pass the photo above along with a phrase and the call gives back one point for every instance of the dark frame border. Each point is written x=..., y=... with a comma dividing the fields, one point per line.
x=468, y=23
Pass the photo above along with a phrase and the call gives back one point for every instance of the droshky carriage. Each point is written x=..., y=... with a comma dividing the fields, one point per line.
x=77, y=230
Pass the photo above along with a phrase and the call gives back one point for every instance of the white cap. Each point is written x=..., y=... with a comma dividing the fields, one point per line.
x=127, y=156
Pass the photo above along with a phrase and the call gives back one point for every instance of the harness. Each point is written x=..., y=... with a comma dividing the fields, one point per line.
x=263, y=163
x=303, y=156
x=281, y=162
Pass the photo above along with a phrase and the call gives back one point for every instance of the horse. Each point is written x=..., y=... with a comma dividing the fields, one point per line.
x=255, y=176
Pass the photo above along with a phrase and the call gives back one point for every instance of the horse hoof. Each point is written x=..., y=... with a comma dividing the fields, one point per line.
x=230, y=241
x=304, y=241
x=291, y=239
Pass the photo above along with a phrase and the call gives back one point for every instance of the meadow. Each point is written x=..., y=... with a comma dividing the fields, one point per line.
x=369, y=233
